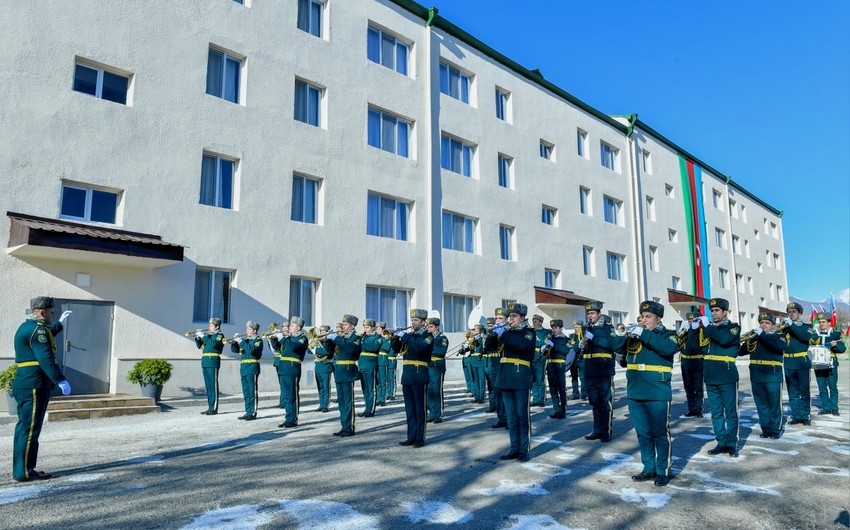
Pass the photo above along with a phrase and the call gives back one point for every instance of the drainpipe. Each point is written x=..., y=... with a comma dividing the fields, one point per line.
x=734, y=270
x=637, y=214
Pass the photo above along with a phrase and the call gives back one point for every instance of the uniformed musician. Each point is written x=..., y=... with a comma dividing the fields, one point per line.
x=381, y=390
x=719, y=339
x=368, y=366
x=416, y=348
x=477, y=364
x=323, y=351
x=293, y=348
x=494, y=354
x=765, y=348
x=538, y=365
x=828, y=379
x=558, y=348
x=515, y=378
x=436, y=371
x=348, y=346
x=601, y=345
x=211, y=345
x=392, y=365
x=579, y=386
x=250, y=349
x=692, y=366
x=797, y=365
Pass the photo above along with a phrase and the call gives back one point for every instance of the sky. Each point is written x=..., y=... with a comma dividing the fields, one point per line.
x=759, y=90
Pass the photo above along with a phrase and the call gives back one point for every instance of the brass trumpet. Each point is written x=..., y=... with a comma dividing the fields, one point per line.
x=190, y=333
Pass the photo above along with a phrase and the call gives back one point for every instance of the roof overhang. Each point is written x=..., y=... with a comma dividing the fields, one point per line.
x=554, y=298
x=32, y=237
x=682, y=300
x=774, y=312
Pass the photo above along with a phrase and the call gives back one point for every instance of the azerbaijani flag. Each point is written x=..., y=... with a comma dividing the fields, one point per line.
x=833, y=319
x=695, y=221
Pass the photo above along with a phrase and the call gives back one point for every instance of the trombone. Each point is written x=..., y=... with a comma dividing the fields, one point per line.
x=190, y=333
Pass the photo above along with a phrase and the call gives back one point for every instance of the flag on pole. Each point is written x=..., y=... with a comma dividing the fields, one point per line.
x=833, y=318
x=814, y=315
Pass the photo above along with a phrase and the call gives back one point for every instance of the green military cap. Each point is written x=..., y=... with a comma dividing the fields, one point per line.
x=215, y=322
x=434, y=321
x=253, y=325
x=767, y=316
x=339, y=324
x=651, y=306
x=578, y=322
x=537, y=317
x=556, y=323
x=721, y=303
x=501, y=311
x=691, y=316
x=297, y=320
x=478, y=327
x=421, y=314
x=369, y=322
x=794, y=305
x=822, y=316
x=382, y=324
x=491, y=321
x=517, y=308
x=42, y=302
x=351, y=319
x=324, y=327
x=593, y=305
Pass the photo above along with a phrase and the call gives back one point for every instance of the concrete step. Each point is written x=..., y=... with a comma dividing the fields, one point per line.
x=102, y=412
x=97, y=401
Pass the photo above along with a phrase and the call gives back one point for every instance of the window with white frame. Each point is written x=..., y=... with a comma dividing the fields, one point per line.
x=766, y=226
x=774, y=231
x=759, y=267
x=389, y=132
x=717, y=199
x=750, y=284
x=747, y=248
x=388, y=304
x=218, y=176
x=720, y=237
x=618, y=317
x=308, y=103
x=724, y=278
x=503, y=105
x=305, y=199
x=756, y=234
x=646, y=161
x=736, y=244
x=85, y=203
x=387, y=50
x=223, y=75
x=506, y=171
x=101, y=83
x=458, y=232
x=212, y=295
x=506, y=242
x=612, y=210
x=733, y=208
x=311, y=17
x=650, y=208
x=780, y=293
x=672, y=235
x=457, y=156
x=669, y=191
x=743, y=213
x=547, y=150
x=615, y=262
x=456, y=310
x=610, y=156
x=387, y=217
x=676, y=283
x=548, y=215
x=653, y=259
x=768, y=257
x=550, y=278
x=739, y=281
x=776, y=262
x=588, y=265
x=772, y=292
x=581, y=144
x=507, y=301
x=454, y=83
x=302, y=298
x=585, y=205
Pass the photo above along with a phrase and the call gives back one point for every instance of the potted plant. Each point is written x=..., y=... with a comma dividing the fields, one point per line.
x=7, y=376
x=151, y=374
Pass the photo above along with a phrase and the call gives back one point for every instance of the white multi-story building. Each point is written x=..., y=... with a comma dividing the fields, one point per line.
x=167, y=162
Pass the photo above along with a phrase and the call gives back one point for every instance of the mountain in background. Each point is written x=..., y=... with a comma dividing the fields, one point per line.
x=842, y=306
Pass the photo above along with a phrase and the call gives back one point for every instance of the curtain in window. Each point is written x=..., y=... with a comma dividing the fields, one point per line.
x=387, y=50
x=388, y=132
x=457, y=155
x=208, y=173
x=401, y=58
x=304, y=15
x=374, y=126
x=312, y=105
x=201, y=306
x=373, y=45
x=221, y=295
x=444, y=79
x=401, y=221
x=231, y=79
x=469, y=241
x=467, y=160
x=214, y=71
x=226, y=190
x=387, y=217
x=504, y=242
x=316, y=19
x=297, y=199
x=373, y=215
x=447, y=230
x=457, y=232
x=403, y=139
x=445, y=153
x=85, y=80
x=309, y=201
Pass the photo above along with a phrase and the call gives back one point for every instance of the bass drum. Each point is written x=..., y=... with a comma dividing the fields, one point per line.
x=820, y=357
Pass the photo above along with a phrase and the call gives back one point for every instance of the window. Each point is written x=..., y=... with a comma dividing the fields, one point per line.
x=780, y=293
x=720, y=237
x=458, y=232
x=385, y=49
x=456, y=156
x=587, y=261
x=547, y=215
x=672, y=235
x=669, y=191
x=550, y=278
x=750, y=284
x=507, y=301
x=768, y=257
x=302, y=298
x=618, y=317
x=305, y=193
x=389, y=133
x=766, y=226
x=733, y=208
x=456, y=310
x=506, y=242
x=747, y=248
x=308, y=103
x=677, y=283
x=584, y=200
x=388, y=304
x=653, y=259
x=773, y=231
x=772, y=293
x=217, y=177
x=212, y=295
x=776, y=262
x=646, y=161
x=88, y=204
x=615, y=266
x=454, y=83
x=759, y=267
x=724, y=278
x=547, y=150
x=756, y=233
x=650, y=208
x=739, y=281
x=223, y=72
x=610, y=156
x=310, y=14
x=717, y=199
x=736, y=244
x=743, y=213
x=503, y=109
x=100, y=83
x=386, y=217
x=581, y=143
x=505, y=174
x=612, y=210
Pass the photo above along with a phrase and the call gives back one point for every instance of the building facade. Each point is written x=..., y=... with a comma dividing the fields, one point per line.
x=167, y=162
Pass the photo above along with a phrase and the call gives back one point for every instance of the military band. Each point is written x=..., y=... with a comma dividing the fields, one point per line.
x=691, y=359
x=557, y=348
x=515, y=378
x=494, y=354
x=720, y=340
x=601, y=345
x=798, y=365
x=250, y=350
x=211, y=345
x=323, y=352
x=538, y=365
x=766, y=348
x=827, y=378
x=579, y=386
x=368, y=366
x=416, y=348
x=436, y=371
x=292, y=347
x=382, y=388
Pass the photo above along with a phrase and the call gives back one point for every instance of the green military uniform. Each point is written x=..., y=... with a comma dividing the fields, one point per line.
x=719, y=342
x=36, y=375
x=292, y=349
x=250, y=349
x=383, y=368
x=392, y=364
x=323, y=367
x=765, y=349
x=437, y=374
x=828, y=379
x=561, y=355
x=692, y=366
x=345, y=374
x=368, y=366
x=602, y=346
x=477, y=367
x=515, y=379
x=494, y=349
x=649, y=370
x=467, y=370
x=211, y=346
x=579, y=386
x=416, y=348
x=538, y=366
x=798, y=368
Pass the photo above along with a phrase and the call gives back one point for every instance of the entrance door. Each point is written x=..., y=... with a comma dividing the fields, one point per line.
x=85, y=345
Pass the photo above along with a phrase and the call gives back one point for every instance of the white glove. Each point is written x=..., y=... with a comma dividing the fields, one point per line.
x=588, y=335
x=631, y=328
x=332, y=336
x=695, y=324
x=65, y=386
x=549, y=343
x=199, y=334
x=63, y=318
x=758, y=331
x=704, y=320
x=236, y=338
x=499, y=330
x=399, y=333
x=684, y=326
x=278, y=336
x=636, y=331
x=788, y=321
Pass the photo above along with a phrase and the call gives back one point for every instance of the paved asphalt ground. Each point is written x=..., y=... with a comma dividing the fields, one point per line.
x=179, y=469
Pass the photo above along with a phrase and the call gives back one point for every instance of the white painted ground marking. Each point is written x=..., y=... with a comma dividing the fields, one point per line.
x=618, y=461
x=826, y=470
x=774, y=451
x=509, y=487
x=435, y=512
x=843, y=449
x=20, y=493
x=716, y=485
x=717, y=459
x=652, y=500
x=546, y=440
x=470, y=417
x=535, y=522
x=547, y=469
x=569, y=453
x=155, y=459
x=327, y=515
x=701, y=436
x=242, y=517
x=86, y=478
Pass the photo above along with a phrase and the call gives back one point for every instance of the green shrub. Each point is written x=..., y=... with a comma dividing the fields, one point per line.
x=150, y=372
x=7, y=376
